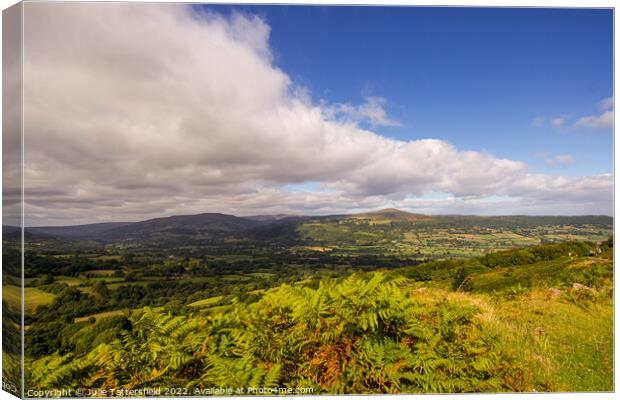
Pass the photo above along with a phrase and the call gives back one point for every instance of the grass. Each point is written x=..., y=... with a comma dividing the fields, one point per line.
x=561, y=272
x=107, y=258
x=103, y=272
x=266, y=275
x=562, y=337
x=206, y=302
x=230, y=257
x=116, y=285
x=69, y=280
x=199, y=279
x=33, y=298
x=114, y=313
x=566, y=347
x=103, y=278
x=234, y=278
x=561, y=345
x=101, y=315
x=526, y=275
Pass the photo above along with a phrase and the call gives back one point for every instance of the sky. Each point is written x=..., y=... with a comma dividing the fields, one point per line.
x=135, y=111
x=501, y=75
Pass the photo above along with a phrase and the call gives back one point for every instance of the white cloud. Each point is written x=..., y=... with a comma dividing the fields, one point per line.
x=565, y=159
x=161, y=111
x=561, y=160
x=558, y=121
x=603, y=121
x=538, y=122
x=371, y=111
x=607, y=103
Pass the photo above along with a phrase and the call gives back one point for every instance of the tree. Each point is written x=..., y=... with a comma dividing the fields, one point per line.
x=101, y=289
x=130, y=276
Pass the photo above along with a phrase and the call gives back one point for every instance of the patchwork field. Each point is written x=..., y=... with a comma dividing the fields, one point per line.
x=429, y=238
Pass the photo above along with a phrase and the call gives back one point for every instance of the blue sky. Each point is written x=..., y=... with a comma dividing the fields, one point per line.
x=475, y=77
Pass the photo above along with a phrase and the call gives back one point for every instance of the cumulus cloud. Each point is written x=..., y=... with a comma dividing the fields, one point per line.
x=141, y=110
x=600, y=122
x=604, y=121
x=372, y=112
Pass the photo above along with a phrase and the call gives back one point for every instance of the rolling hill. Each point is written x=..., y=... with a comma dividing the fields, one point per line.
x=394, y=229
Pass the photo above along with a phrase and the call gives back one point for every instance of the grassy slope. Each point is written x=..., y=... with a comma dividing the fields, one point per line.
x=558, y=345
x=566, y=347
x=32, y=297
x=562, y=336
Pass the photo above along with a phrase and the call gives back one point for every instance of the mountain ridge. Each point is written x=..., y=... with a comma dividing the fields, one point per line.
x=193, y=228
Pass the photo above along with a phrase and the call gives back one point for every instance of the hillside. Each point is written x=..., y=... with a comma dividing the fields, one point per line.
x=387, y=231
x=390, y=215
x=158, y=230
x=398, y=233
x=78, y=232
x=200, y=226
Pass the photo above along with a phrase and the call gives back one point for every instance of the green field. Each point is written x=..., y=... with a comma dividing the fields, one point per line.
x=101, y=315
x=206, y=302
x=424, y=238
x=69, y=280
x=33, y=297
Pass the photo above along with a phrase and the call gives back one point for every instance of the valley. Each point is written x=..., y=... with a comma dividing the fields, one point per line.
x=90, y=287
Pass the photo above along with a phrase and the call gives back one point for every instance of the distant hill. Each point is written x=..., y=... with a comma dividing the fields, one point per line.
x=269, y=218
x=88, y=231
x=370, y=227
x=392, y=214
x=201, y=226
x=511, y=221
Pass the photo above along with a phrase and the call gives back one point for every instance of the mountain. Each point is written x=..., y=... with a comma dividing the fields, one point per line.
x=392, y=214
x=175, y=228
x=88, y=231
x=353, y=229
x=269, y=218
x=200, y=226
